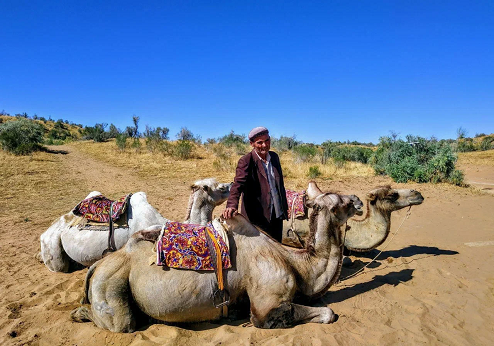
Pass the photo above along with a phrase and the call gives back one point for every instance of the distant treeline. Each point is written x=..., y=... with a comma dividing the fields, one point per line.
x=411, y=159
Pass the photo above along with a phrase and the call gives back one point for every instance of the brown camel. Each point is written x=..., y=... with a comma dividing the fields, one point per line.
x=373, y=229
x=268, y=272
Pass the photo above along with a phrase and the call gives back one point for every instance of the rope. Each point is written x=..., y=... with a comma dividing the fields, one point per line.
x=358, y=272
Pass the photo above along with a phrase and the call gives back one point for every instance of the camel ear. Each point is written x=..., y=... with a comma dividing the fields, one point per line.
x=371, y=196
x=313, y=190
x=309, y=203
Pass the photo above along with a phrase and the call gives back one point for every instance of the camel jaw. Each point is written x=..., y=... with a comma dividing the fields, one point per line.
x=416, y=200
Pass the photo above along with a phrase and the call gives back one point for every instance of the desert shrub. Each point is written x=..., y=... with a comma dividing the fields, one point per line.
x=223, y=160
x=155, y=137
x=113, y=132
x=232, y=139
x=121, y=141
x=183, y=149
x=314, y=172
x=417, y=159
x=464, y=145
x=342, y=153
x=60, y=132
x=487, y=143
x=136, y=144
x=284, y=143
x=96, y=133
x=186, y=135
x=305, y=152
x=21, y=137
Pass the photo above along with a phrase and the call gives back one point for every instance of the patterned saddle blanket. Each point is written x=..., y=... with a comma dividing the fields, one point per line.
x=188, y=246
x=97, y=208
x=296, y=204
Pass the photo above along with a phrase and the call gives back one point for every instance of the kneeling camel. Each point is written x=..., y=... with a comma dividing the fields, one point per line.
x=268, y=272
x=64, y=242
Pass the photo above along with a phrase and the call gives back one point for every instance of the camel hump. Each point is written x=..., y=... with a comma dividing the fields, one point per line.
x=151, y=234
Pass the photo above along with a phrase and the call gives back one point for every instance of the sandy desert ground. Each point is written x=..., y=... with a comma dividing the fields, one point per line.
x=433, y=284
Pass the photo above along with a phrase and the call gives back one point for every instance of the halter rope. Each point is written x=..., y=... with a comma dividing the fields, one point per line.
x=359, y=272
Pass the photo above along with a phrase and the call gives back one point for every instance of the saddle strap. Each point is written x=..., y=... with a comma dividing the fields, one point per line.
x=111, y=232
x=219, y=263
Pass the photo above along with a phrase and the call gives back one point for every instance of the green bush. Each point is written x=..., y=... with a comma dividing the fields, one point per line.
x=342, y=153
x=305, y=152
x=417, y=159
x=314, y=172
x=284, y=143
x=233, y=140
x=121, y=140
x=183, y=149
x=60, y=131
x=21, y=137
x=487, y=143
x=96, y=133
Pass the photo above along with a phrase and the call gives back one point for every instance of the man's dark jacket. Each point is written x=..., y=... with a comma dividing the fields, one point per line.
x=251, y=180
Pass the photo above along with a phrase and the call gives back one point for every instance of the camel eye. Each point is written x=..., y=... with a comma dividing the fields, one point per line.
x=393, y=196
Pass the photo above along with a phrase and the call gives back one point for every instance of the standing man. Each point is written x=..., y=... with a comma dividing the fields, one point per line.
x=259, y=180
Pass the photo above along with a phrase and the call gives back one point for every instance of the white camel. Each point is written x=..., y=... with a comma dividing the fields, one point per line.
x=267, y=271
x=64, y=241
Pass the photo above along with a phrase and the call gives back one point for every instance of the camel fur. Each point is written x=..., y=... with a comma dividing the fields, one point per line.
x=63, y=242
x=368, y=233
x=268, y=272
x=373, y=229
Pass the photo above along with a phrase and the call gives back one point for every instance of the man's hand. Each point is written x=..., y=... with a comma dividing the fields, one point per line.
x=229, y=213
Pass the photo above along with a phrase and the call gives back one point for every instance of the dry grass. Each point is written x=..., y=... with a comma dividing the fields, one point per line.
x=213, y=163
x=477, y=158
x=34, y=188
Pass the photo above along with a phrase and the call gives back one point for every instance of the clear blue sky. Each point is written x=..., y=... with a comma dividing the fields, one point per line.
x=319, y=70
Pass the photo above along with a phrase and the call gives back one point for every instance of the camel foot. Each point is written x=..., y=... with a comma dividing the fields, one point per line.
x=347, y=262
x=280, y=317
x=38, y=257
x=81, y=314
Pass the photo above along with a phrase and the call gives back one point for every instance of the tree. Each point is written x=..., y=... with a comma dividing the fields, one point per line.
x=187, y=135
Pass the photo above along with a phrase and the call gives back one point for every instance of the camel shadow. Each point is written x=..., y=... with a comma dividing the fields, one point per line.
x=393, y=278
x=409, y=251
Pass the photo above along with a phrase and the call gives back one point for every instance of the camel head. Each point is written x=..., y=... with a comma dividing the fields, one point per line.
x=388, y=199
x=340, y=207
x=313, y=191
x=216, y=193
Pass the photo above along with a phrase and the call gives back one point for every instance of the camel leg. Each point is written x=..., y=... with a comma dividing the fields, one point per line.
x=52, y=253
x=305, y=314
x=109, y=295
x=288, y=314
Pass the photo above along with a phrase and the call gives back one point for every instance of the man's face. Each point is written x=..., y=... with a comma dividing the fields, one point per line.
x=262, y=144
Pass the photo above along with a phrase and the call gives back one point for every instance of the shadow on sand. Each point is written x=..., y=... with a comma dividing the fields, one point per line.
x=52, y=151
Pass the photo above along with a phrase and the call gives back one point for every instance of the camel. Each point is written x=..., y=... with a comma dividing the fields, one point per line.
x=368, y=233
x=64, y=242
x=267, y=271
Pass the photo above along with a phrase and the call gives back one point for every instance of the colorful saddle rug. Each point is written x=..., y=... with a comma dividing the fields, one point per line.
x=296, y=204
x=188, y=246
x=97, y=208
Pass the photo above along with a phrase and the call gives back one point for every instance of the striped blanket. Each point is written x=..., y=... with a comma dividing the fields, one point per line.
x=97, y=208
x=296, y=204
